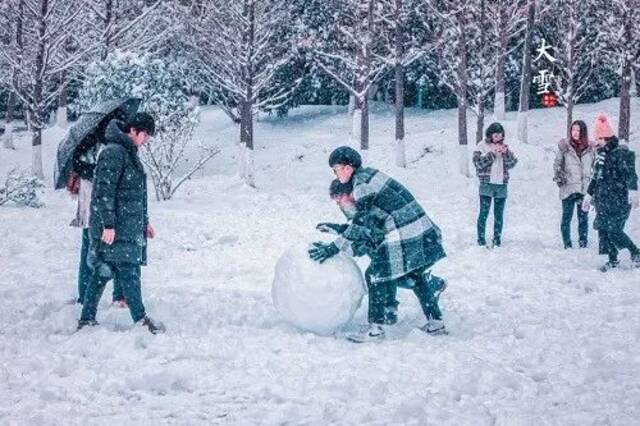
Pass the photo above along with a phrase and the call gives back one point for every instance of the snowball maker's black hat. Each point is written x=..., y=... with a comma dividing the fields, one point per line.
x=494, y=128
x=143, y=122
x=345, y=155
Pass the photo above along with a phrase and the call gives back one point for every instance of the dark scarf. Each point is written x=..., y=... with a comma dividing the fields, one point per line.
x=601, y=157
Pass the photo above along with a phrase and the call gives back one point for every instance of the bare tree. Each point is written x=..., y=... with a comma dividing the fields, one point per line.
x=454, y=30
x=354, y=57
x=508, y=19
x=575, y=51
x=11, y=30
x=242, y=59
x=402, y=50
x=527, y=75
x=620, y=36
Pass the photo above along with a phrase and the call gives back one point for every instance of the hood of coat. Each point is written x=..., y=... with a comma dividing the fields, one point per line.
x=115, y=134
x=564, y=145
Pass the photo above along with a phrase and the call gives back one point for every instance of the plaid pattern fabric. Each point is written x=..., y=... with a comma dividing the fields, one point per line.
x=483, y=158
x=408, y=239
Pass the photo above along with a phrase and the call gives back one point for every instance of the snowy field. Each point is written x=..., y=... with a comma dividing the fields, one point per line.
x=537, y=335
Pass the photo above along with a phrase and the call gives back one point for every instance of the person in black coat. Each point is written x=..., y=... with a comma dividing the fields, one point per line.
x=613, y=191
x=119, y=223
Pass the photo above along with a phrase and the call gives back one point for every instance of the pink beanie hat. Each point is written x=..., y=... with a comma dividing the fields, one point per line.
x=602, y=127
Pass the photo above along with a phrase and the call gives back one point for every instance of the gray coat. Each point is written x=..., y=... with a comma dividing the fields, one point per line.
x=572, y=172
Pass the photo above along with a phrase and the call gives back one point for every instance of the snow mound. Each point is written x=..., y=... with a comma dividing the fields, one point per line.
x=315, y=297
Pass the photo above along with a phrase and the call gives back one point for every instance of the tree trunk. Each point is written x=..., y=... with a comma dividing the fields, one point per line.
x=364, y=131
x=525, y=82
x=61, y=113
x=462, y=98
x=356, y=126
x=400, y=151
x=480, y=119
x=246, y=143
x=8, y=128
x=36, y=108
x=634, y=85
x=352, y=105
x=499, y=101
x=569, y=113
x=625, y=101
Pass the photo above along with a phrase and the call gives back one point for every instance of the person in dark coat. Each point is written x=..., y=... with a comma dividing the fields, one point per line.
x=404, y=243
x=492, y=159
x=119, y=223
x=613, y=191
x=80, y=183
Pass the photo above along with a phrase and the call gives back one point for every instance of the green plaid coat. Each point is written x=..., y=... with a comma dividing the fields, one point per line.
x=406, y=239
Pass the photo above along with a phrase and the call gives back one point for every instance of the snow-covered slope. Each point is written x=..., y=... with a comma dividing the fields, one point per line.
x=537, y=335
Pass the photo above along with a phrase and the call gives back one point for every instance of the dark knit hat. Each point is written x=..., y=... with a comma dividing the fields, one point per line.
x=494, y=128
x=338, y=188
x=345, y=155
x=142, y=121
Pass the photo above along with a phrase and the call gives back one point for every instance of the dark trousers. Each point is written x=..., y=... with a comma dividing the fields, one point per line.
x=612, y=242
x=383, y=306
x=85, y=272
x=128, y=275
x=498, y=216
x=569, y=204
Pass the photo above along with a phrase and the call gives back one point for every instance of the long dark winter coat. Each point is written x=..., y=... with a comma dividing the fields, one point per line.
x=409, y=241
x=119, y=200
x=614, y=175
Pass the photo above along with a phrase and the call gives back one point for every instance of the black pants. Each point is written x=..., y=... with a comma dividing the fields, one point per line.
x=612, y=242
x=498, y=216
x=128, y=275
x=383, y=306
x=85, y=273
x=569, y=204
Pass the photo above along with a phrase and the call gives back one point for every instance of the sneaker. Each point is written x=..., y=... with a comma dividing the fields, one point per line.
x=86, y=323
x=434, y=327
x=583, y=244
x=497, y=241
x=120, y=304
x=482, y=242
x=635, y=259
x=609, y=265
x=568, y=245
x=154, y=327
x=367, y=333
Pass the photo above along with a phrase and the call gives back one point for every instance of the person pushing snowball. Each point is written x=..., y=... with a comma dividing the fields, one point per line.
x=387, y=224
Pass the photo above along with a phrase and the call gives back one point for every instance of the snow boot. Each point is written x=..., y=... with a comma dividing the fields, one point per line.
x=611, y=264
x=153, y=326
x=434, y=327
x=86, y=323
x=367, y=333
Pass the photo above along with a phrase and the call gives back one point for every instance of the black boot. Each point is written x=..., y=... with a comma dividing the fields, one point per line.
x=567, y=245
x=154, y=327
x=497, y=241
x=86, y=323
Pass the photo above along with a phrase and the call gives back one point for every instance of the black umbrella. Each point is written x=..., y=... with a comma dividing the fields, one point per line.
x=84, y=126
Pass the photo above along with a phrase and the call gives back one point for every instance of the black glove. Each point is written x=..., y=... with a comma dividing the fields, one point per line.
x=331, y=228
x=321, y=251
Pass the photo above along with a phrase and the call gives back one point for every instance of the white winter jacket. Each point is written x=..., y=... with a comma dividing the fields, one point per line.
x=571, y=172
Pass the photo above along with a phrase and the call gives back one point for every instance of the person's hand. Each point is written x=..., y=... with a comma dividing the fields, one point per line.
x=108, y=236
x=151, y=233
x=321, y=251
x=331, y=228
x=633, y=199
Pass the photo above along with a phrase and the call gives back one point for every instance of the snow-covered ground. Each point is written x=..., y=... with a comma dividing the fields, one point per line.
x=537, y=334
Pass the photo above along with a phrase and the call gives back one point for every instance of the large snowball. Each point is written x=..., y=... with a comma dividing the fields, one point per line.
x=316, y=297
